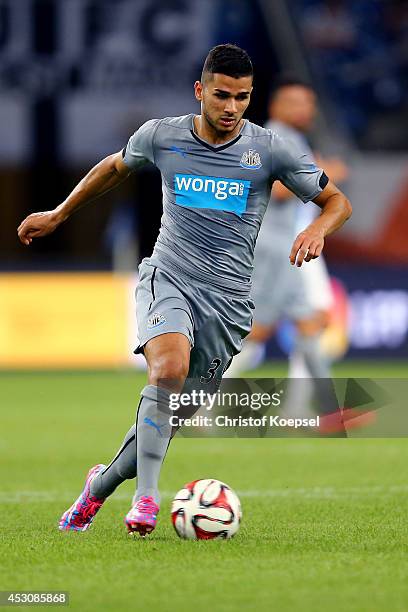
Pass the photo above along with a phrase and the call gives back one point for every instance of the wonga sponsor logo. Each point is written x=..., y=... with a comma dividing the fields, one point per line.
x=211, y=192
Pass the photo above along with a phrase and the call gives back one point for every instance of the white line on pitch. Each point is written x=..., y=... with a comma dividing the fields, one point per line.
x=304, y=492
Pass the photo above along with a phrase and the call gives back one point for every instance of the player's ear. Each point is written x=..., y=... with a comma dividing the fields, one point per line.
x=198, y=90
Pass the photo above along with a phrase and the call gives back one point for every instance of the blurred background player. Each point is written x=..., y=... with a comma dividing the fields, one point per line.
x=303, y=296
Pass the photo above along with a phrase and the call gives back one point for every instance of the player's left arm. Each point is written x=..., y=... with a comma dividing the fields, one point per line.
x=336, y=209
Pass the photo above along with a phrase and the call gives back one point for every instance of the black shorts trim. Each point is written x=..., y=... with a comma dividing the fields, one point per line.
x=152, y=287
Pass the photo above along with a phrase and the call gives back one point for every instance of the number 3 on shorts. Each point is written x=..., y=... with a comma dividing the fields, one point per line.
x=214, y=365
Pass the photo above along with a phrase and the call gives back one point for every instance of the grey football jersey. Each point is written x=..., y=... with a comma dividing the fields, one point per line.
x=215, y=196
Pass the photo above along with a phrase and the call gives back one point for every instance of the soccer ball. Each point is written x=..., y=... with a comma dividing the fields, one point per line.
x=206, y=509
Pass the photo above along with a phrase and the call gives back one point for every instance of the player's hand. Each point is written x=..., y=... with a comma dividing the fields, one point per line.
x=37, y=225
x=308, y=245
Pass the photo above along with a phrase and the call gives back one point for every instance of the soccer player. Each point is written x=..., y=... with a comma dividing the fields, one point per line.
x=301, y=295
x=193, y=300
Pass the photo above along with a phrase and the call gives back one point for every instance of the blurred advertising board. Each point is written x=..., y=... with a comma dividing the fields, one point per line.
x=369, y=316
x=65, y=320
x=88, y=320
x=378, y=310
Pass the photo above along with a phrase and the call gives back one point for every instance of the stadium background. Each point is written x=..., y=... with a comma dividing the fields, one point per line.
x=76, y=78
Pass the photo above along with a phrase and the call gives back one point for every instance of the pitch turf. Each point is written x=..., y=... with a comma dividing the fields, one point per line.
x=324, y=527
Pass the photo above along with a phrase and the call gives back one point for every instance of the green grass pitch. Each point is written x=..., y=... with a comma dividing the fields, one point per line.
x=324, y=526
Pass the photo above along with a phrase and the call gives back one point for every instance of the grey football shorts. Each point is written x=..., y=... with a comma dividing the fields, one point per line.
x=278, y=289
x=214, y=323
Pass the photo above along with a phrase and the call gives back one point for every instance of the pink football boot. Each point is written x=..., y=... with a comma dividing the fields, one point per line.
x=142, y=517
x=81, y=514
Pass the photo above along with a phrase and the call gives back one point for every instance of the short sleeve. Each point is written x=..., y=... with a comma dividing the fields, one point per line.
x=295, y=167
x=140, y=147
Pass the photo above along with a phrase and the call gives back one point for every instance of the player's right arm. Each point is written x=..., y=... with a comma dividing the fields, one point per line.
x=103, y=177
x=106, y=175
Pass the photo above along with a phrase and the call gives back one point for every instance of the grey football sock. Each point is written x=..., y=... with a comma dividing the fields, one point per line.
x=315, y=361
x=298, y=396
x=121, y=468
x=153, y=431
x=323, y=384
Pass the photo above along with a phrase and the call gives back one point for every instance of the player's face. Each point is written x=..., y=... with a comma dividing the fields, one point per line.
x=224, y=100
x=294, y=105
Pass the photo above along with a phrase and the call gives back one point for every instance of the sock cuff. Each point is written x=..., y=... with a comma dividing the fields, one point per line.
x=157, y=394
